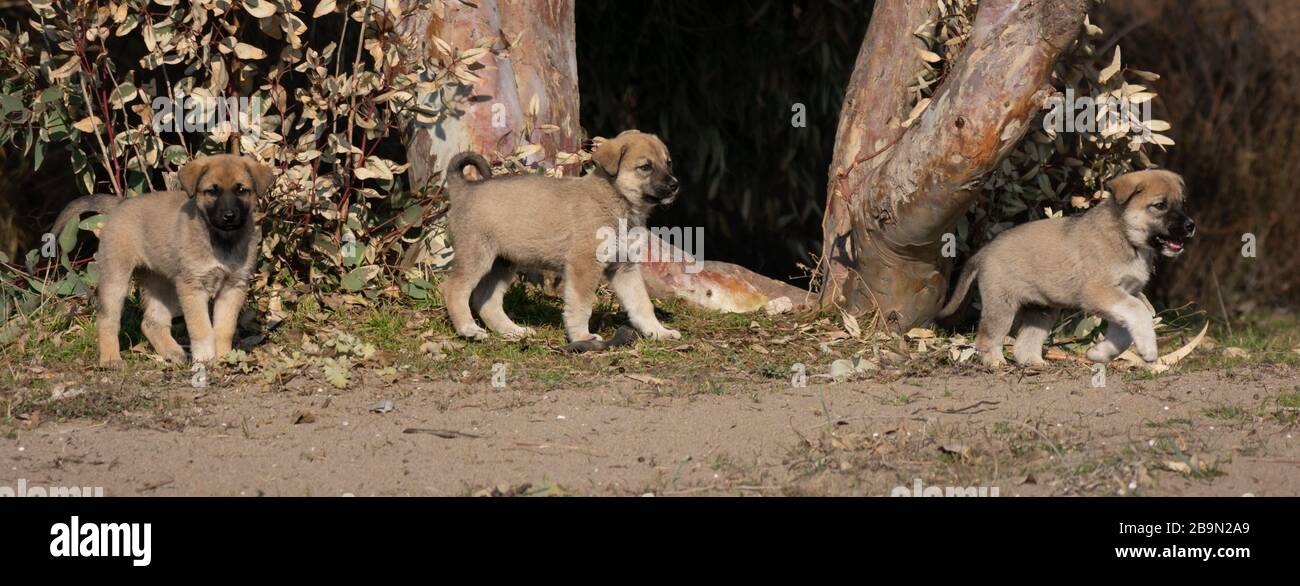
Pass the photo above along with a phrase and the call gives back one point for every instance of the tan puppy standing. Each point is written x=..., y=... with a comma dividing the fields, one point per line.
x=187, y=248
x=499, y=225
x=1098, y=261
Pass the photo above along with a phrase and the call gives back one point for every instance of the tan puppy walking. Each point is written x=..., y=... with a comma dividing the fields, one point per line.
x=1098, y=262
x=499, y=225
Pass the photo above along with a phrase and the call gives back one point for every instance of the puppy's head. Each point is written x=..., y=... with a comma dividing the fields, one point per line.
x=640, y=168
x=225, y=188
x=1151, y=204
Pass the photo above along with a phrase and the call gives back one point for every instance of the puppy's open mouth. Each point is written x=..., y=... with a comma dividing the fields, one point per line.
x=1169, y=246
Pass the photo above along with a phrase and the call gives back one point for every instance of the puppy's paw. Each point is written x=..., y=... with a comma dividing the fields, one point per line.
x=518, y=332
x=663, y=334
x=1100, y=354
x=1150, y=355
x=114, y=361
x=203, y=350
x=993, y=359
x=1030, y=361
x=473, y=333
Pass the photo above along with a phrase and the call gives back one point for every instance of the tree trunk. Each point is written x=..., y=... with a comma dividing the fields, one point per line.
x=536, y=60
x=893, y=191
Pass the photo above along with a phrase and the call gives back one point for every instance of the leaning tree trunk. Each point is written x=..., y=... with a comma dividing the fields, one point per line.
x=540, y=62
x=894, y=191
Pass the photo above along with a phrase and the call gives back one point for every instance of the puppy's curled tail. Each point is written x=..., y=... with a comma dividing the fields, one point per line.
x=624, y=336
x=968, y=275
x=456, y=168
x=102, y=204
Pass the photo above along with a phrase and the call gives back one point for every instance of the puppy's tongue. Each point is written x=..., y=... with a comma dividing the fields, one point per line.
x=1172, y=244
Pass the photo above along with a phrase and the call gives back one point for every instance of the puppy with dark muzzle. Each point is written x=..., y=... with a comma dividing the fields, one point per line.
x=501, y=225
x=1098, y=261
x=187, y=248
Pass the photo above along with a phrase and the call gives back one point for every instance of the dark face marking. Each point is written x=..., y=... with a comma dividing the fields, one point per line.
x=663, y=185
x=226, y=207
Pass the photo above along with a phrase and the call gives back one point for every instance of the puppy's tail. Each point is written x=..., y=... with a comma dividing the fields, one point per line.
x=624, y=336
x=456, y=168
x=968, y=275
x=102, y=204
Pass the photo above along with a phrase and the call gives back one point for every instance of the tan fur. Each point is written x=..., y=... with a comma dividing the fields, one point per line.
x=504, y=224
x=181, y=256
x=1097, y=262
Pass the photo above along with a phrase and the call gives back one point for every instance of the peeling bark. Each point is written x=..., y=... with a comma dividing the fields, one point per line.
x=895, y=191
x=540, y=61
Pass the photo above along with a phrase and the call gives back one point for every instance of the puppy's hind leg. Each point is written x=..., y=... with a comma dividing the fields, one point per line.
x=1117, y=340
x=487, y=301
x=995, y=322
x=113, y=286
x=580, y=282
x=158, y=297
x=1035, y=325
x=468, y=269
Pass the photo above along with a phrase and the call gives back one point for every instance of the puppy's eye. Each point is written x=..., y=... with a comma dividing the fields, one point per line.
x=240, y=189
x=646, y=167
x=1160, y=206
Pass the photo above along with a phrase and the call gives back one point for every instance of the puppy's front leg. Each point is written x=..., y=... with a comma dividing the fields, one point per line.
x=225, y=316
x=194, y=306
x=1131, y=314
x=630, y=289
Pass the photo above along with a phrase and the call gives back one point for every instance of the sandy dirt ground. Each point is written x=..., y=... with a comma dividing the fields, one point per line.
x=1215, y=432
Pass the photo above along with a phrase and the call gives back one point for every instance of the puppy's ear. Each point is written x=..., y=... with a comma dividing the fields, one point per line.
x=191, y=172
x=1124, y=187
x=263, y=175
x=609, y=156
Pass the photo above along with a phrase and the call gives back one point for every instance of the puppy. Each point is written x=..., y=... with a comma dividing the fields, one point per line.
x=499, y=225
x=187, y=248
x=1097, y=262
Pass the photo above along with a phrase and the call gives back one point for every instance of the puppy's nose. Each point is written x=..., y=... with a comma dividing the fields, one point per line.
x=1189, y=227
x=229, y=215
x=674, y=184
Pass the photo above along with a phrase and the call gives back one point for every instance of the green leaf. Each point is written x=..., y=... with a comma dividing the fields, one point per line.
x=71, y=285
x=122, y=95
x=93, y=223
x=414, y=291
x=176, y=155
x=10, y=104
x=356, y=279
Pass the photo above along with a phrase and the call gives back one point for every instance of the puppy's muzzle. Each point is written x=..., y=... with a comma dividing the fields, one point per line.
x=1174, y=243
x=666, y=191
